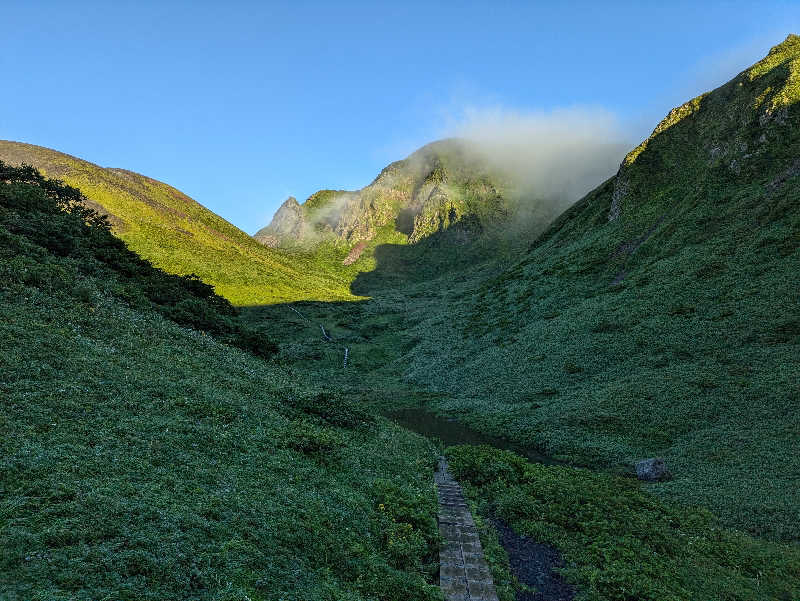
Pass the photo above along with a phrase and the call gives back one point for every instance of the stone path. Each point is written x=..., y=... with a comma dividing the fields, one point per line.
x=463, y=573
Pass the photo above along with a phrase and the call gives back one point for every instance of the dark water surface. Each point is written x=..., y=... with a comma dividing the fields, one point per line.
x=452, y=432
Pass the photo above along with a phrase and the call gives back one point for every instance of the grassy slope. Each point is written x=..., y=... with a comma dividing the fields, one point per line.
x=168, y=466
x=691, y=354
x=620, y=541
x=181, y=236
x=142, y=460
x=549, y=354
x=51, y=238
x=694, y=355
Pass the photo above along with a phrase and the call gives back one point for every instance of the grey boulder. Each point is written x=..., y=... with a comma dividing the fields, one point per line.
x=652, y=470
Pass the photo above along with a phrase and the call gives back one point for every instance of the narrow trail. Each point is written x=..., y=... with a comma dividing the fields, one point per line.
x=464, y=574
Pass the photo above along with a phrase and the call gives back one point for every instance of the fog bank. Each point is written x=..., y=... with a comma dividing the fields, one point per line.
x=558, y=155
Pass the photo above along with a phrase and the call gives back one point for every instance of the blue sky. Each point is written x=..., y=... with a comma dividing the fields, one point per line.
x=241, y=104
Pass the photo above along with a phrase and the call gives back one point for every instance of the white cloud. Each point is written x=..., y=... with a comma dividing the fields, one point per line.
x=554, y=155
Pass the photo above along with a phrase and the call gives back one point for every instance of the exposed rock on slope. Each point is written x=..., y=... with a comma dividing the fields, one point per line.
x=440, y=185
x=288, y=222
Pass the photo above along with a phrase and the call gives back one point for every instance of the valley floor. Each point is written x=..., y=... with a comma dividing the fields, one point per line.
x=615, y=535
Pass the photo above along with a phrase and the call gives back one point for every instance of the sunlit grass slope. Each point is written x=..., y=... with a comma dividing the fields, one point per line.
x=181, y=236
x=660, y=316
x=143, y=460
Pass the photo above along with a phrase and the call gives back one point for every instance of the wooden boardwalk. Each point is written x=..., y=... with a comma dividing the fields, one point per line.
x=463, y=574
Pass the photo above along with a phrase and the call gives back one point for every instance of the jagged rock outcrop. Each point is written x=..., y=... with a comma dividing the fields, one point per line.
x=440, y=185
x=288, y=222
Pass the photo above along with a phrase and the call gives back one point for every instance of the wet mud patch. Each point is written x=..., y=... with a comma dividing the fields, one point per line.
x=533, y=563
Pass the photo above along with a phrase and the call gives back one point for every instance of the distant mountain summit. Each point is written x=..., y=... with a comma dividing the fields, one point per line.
x=441, y=185
x=288, y=223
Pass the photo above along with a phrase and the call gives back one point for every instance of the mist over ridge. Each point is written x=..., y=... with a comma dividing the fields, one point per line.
x=491, y=166
x=556, y=156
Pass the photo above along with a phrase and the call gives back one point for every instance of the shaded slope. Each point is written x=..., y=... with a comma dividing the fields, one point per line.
x=658, y=316
x=181, y=236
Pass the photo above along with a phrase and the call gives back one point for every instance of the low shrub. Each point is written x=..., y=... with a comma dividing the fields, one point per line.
x=620, y=542
x=333, y=409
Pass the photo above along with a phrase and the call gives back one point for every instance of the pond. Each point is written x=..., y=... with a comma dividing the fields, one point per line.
x=453, y=432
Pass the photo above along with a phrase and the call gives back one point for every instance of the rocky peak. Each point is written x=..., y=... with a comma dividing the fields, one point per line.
x=288, y=223
x=427, y=192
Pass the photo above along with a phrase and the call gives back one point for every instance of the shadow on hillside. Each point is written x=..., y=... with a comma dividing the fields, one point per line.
x=447, y=250
x=445, y=254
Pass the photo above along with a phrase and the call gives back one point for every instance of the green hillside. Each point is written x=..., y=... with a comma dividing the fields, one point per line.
x=181, y=236
x=144, y=460
x=433, y=189
x=157, y=443
x=659, y=316
x=447, y=195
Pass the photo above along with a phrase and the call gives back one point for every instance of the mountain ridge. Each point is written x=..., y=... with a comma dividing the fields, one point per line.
x=658, y=314
x=180, y=235
x=429, y=191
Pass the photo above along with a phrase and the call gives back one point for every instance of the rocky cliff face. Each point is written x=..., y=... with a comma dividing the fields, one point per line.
x=440, y=185
x=288, y=223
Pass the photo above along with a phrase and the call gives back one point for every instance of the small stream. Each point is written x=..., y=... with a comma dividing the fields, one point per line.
x=453, y=432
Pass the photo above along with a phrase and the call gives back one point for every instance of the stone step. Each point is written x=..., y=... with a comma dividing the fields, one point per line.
x=464, y=574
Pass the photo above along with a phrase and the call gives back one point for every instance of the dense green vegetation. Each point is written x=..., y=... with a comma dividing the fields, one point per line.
x=672, y=330
x=144, y=460
x=620, y=542
x=51, y=239
x=659, y=316
x=179, y=235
